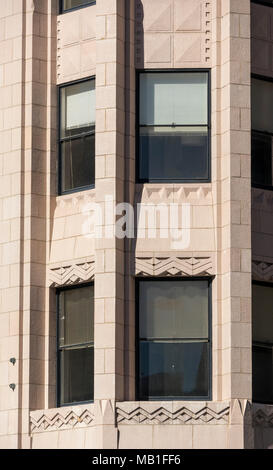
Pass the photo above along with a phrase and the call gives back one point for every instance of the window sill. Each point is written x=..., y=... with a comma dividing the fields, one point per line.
x=77, y=193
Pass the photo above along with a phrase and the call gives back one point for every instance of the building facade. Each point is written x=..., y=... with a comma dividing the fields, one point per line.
x=135, y=287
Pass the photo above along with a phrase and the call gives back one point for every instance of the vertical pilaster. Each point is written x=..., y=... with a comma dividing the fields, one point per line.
x=109, y=254
x=12, y=45
x=236, y=200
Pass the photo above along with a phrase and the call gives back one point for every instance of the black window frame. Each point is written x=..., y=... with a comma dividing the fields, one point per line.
x=137, y=125
x=58, y=348
x=259, y=344
x=60, y=191
x=62, y=11
x=209, y=280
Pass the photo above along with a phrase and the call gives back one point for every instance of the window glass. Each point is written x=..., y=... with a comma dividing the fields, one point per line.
x=77, y=367
x=77, y=136
x=262, y=156
x=262, y=109
x=262, y=374
x=76, y=319
x=262, y=313
x=78, y=108
x=173, y=309
x=76, y=345
x=174, y=369
x=173, y=127
x=174, y=342
x=169, y=153
x=173, y=98
x=262, y=335
x=262, y=133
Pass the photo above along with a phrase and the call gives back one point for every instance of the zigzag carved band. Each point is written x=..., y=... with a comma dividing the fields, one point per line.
x=71, y=274
x=55, y=419
x=172, y=266
x=162, y=415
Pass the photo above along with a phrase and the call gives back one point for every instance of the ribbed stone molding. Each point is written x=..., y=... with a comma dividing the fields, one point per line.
x=262, y=270
x=61, y=418
x=262, y=415
x=172, y=413
x=72, y=273
x=160, y=265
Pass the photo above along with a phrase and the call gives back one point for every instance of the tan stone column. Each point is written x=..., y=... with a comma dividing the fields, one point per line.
x=12, y=25
x=109, y=183
x=236, y=200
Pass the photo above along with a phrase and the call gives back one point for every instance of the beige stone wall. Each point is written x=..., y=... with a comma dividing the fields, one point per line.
x=45, y=242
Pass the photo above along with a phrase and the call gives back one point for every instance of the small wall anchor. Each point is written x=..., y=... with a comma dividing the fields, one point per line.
x=12, y=360
x=12, y=386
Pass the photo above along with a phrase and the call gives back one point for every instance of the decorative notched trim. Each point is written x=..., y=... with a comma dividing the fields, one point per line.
x=70, y=274
x=263, y=415
x=262, y=270
x=172, y=266
x=142, y=413
x=61, y=418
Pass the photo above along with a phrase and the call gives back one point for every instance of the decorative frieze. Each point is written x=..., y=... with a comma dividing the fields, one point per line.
x=262, y=415
x=144, y=265
x=262, y=270
x=172, y=413
x=72, y=273
x=61, y=418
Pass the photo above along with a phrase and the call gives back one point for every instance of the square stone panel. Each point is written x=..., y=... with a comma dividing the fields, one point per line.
x=157, y=48
x=187, y=48
x=156, y=15
x=187, y=15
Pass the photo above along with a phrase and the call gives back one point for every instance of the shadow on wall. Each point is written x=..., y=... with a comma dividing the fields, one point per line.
x=263, y=437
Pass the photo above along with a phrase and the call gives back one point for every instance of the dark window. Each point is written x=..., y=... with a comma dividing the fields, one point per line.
x=71, y=4
x=262, y=133
x=76, y=345
x=174, y=339
x=77, y=136
x=173, y=127
x=262, y=334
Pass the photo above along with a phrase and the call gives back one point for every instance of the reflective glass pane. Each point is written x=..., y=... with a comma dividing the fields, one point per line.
x=261, y=105
x=262, y=374
x=77, y=108
x=78, y=162
x=261, y=159
x=174, y=369
x=173, y=153
x=76, y=316
x=173, y=309
x=77, y=375
x=173, y=98
x=262, y=313
x=68, y=4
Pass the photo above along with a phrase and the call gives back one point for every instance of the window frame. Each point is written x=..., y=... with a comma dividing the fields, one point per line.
x=62, y=11
x=263, y=78
x=58, y=349
x=61, y=192
x=139, y=180
x=259, y=343
x=209, y=280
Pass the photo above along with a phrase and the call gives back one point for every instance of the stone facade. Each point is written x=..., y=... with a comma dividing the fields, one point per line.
x=43, y=237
